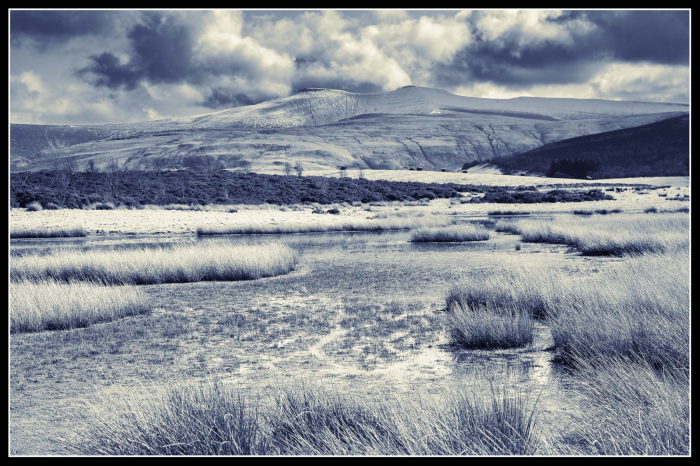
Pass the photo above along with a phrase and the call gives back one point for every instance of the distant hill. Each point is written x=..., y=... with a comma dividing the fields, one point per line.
x=325, y=128
x=656, y=149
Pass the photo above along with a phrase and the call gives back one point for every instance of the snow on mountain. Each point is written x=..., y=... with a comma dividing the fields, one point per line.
x=411, y=126
x=314, y=107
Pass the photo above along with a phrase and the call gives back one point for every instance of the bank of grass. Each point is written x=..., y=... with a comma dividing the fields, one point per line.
x=51, y=305
x=452, y=233
x=177, y=264
x=390, y=222
x=69, y=232
x=213, y=419
x=622, y=234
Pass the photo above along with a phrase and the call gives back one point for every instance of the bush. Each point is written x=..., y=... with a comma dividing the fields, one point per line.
x=34, y=207
x=105, y=206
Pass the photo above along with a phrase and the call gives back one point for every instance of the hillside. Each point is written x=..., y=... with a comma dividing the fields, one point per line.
x=324, y=128
x=656, y=149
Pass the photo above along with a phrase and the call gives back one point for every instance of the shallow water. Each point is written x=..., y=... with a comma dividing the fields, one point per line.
x=361, y=314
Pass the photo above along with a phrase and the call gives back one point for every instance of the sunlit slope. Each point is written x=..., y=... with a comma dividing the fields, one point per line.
x=313, y=107
x=411, y=126
x=377, y=141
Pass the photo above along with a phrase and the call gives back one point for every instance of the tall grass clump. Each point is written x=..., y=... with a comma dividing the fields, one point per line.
x=522, y=288
x=603, y=235
x=453, y=233
x=489, y=328
x=351, y=224
x=628, y=407
x=213, y=419
x=507, y=226
x=178, y=264
x=640, y=309
x=51, y=305
x=184, y=419
x=70, y=232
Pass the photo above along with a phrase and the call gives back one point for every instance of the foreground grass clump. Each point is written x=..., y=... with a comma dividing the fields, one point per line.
x=51, y=305
x=198, y=419
x=453, y=233
x=638, y=309
x=47, y=232
x=628, y=407
x=622, y=234
x=178, y=264
x=355, y=224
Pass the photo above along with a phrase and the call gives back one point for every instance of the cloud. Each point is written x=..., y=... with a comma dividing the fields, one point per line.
x=129, y=65
x=520, y=49
x=47, y=27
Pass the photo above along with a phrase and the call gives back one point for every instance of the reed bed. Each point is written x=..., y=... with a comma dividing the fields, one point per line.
x=213, y=419
x=178, y=264
x=603, y=235
x=69, y=232
x=51, y=305
x=353, y=224
x=452, y=233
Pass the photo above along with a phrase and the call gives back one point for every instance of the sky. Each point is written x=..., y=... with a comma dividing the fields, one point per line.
x=120, y=66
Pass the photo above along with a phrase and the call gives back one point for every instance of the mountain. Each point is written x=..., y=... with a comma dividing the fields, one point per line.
x=656, y=149
x=321, y=128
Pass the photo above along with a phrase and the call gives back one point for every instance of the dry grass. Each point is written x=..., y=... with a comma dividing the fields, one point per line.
x=488, y=328
x=351, y=224
x=628, y=407
x=47, y=232
x=213, y=419
x=622, y=234
x=453, y=233
x=178, y=264
x=50, y=305
x=638, y=309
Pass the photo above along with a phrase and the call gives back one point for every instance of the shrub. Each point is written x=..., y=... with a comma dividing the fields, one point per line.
x=105, y=206
x=34, y=207
x=650, y=210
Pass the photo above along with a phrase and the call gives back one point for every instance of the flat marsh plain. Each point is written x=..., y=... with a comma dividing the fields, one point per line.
x=369, y=343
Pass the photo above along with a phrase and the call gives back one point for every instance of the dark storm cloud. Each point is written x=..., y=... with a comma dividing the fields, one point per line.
x=161, y=52
x=225, y=98
x=108, y=72
x=364, y=87
x=659, y=37
x=653, y=36
x=56, y=26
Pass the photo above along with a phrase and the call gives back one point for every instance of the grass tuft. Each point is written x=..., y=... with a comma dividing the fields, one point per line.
x=390, y=222
x=178, y=264
x=51, y=305
x=453, y=233
x=47, y=232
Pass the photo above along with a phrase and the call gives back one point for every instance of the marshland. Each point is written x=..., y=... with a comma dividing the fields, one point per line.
x=434, y=328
